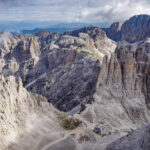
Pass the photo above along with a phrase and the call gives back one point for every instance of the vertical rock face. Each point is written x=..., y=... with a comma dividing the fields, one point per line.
x=27, y=49
x=114, y=31
x=70, y=81
x=121, y=100
x=18, y=107
x=135, y=29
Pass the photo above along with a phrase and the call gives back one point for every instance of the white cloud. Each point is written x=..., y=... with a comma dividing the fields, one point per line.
x=72, y=10
x=85, y=13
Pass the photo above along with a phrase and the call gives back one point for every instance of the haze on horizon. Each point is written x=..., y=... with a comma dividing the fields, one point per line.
x=72, y=10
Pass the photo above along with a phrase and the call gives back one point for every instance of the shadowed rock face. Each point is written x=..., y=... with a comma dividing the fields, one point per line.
x=89, y=30
x=69, y=81
x=135, y=29
x=114, y=31
x=137, y=140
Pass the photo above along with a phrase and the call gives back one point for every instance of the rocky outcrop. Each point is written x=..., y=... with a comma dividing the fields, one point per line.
x=136, y=140
x=95, y=38
x=18, y=107
x=81, y=71
x=26, y=49
x=121, y=101
x=56, y=65
x=135, y=29
x=114, y=31
x=62, y=83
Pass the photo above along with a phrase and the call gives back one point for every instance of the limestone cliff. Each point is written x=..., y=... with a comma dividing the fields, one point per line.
x=121, y=100
x=18, y=108
x=134, y=29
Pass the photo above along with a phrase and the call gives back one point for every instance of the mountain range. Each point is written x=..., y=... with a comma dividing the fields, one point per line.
x=56, y=88
x=26, y=27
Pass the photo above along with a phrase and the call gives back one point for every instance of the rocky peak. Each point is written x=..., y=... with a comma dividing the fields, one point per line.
x=26, y=49
x=134, y=29
x=43, y=33
x=113, y=29
x=95, y=40
x=89, y=30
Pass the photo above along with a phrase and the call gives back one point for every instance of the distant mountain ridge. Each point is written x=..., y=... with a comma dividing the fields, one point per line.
x=61, y=28
x=24, y=27
x=134, y=29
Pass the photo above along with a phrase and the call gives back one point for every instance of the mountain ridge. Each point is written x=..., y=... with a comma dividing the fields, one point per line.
x=134, y=29
x=99, y=82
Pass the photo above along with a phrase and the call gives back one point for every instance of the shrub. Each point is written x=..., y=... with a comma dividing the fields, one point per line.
x=71, y=123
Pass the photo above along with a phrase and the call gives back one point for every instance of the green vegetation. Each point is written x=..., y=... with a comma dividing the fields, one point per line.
x=92, y=54
x=71, y=123
x=95, y=54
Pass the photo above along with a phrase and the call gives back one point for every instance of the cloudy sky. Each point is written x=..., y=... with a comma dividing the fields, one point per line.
x=72, y=10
